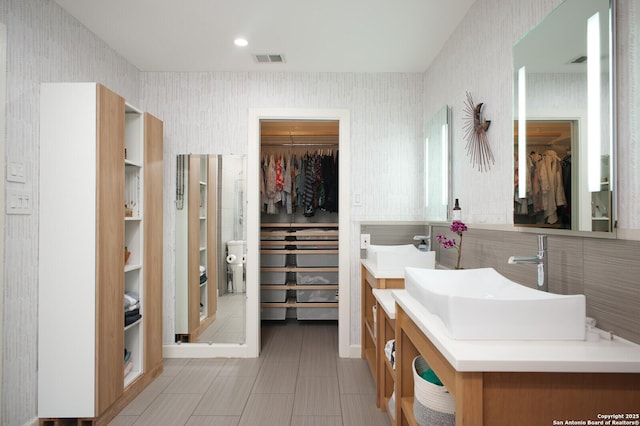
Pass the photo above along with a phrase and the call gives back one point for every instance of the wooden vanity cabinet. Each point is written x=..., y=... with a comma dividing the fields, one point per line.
x=386, y=374
x=369, y=335
x=510, y=398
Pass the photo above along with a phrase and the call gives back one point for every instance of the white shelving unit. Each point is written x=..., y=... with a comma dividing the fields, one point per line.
x=134, y=237
x=92, y=249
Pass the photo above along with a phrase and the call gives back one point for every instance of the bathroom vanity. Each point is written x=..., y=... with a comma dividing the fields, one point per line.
x=385, y=331
x=516, y=382
x=383, y=269
x=371, y=346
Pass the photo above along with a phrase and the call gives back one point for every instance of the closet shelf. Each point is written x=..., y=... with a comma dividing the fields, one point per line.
x=294, y=286
x=292, y=303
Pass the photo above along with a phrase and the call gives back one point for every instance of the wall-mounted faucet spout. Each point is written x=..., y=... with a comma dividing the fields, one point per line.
x=541, y=259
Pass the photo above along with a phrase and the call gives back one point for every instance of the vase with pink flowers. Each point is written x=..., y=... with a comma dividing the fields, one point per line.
x=458, y=228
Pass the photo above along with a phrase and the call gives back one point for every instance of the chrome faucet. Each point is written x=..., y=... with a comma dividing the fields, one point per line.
x=541, y=259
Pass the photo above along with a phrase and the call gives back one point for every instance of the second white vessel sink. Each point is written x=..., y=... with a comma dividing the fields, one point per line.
x=481, y=304
x=400, y=256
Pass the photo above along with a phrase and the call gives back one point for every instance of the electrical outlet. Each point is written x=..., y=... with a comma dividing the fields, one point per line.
x=19, y=202
x=365, y=239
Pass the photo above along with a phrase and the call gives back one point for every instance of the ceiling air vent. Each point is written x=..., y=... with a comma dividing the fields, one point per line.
x=269, y=59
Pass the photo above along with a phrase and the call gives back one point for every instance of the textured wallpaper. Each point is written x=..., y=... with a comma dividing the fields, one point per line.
x=44, y=44
x=478, y=58
x=208, y=113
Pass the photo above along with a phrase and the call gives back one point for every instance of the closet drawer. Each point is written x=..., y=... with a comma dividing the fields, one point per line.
x=310, y=260
x=316, y=296
x=273, y=260
x=317, y=313
x=273, y=278
x=273, y=296
x=273, y=313
x=316, y=278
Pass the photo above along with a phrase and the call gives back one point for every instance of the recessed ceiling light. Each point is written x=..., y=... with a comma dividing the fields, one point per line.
x=240, y=42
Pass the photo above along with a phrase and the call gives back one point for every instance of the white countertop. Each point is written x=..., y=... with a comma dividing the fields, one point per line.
x=602, y=356
x=382, y=273
x=386, y=301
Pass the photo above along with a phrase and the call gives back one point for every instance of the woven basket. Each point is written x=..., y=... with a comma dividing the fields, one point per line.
x=433, y=405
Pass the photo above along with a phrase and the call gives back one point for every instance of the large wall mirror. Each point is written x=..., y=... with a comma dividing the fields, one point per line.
x=563, y=115
x=437, y=166
x=210, y=295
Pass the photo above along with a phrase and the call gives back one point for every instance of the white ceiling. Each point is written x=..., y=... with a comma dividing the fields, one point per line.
x=323, y=36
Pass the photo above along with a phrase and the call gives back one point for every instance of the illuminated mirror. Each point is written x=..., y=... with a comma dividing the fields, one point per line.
x=563, y=115
x=437, y=166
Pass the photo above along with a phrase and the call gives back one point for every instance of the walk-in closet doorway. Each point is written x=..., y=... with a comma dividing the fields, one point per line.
x=256, y=116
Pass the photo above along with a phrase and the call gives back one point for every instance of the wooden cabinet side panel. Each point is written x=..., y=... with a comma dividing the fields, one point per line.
x=532, y=399
x=194, y=242
x=109, y=248
x=153, y=231
x=212, y=234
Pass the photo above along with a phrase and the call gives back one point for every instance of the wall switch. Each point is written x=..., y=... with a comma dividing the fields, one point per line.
x=365, y=240
x=357, y=199
x=19, y=202
x=16, y=172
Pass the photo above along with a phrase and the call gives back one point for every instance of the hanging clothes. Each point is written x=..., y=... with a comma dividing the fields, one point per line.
x=308, y=182
x=552, y=187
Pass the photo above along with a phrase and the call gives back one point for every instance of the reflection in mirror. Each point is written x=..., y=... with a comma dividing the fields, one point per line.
x=437, y=166
x=210, y=249
x=563, y=134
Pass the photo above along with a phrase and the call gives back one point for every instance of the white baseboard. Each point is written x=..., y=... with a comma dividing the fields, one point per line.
x=32, y=422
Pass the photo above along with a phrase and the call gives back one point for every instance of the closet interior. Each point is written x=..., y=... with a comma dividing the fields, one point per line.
x=299, y=220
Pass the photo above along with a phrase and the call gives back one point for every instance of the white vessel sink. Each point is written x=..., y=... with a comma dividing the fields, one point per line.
x=400, y=256
x=481, y=304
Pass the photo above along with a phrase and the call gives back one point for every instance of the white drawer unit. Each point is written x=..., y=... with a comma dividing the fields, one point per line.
x=299, y=271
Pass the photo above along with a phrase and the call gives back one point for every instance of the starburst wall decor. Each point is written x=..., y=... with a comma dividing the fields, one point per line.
x=475, y=128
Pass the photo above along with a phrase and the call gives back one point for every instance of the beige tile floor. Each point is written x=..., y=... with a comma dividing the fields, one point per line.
x=229, y=324
x=299, y=380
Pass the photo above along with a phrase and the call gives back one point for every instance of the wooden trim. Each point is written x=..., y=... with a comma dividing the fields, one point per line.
x=193, y=187
x=299, y=269
x=298, y=225
x=109, y=248
x=212, y=235
x=153, y=248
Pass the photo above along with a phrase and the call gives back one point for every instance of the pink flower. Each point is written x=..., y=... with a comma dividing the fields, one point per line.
x=457, y=227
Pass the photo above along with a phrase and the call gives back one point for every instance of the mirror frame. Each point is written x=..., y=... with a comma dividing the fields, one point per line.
x=611, y=232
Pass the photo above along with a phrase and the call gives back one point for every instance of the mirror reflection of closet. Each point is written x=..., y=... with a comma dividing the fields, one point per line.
x=551, y=144
x=210, y=249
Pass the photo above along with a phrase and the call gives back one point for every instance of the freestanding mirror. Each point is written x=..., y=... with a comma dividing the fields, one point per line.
x=210, y=249
x=437, y=166
x=563, y=115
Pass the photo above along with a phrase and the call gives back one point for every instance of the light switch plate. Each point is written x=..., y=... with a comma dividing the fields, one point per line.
x=16, y=172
